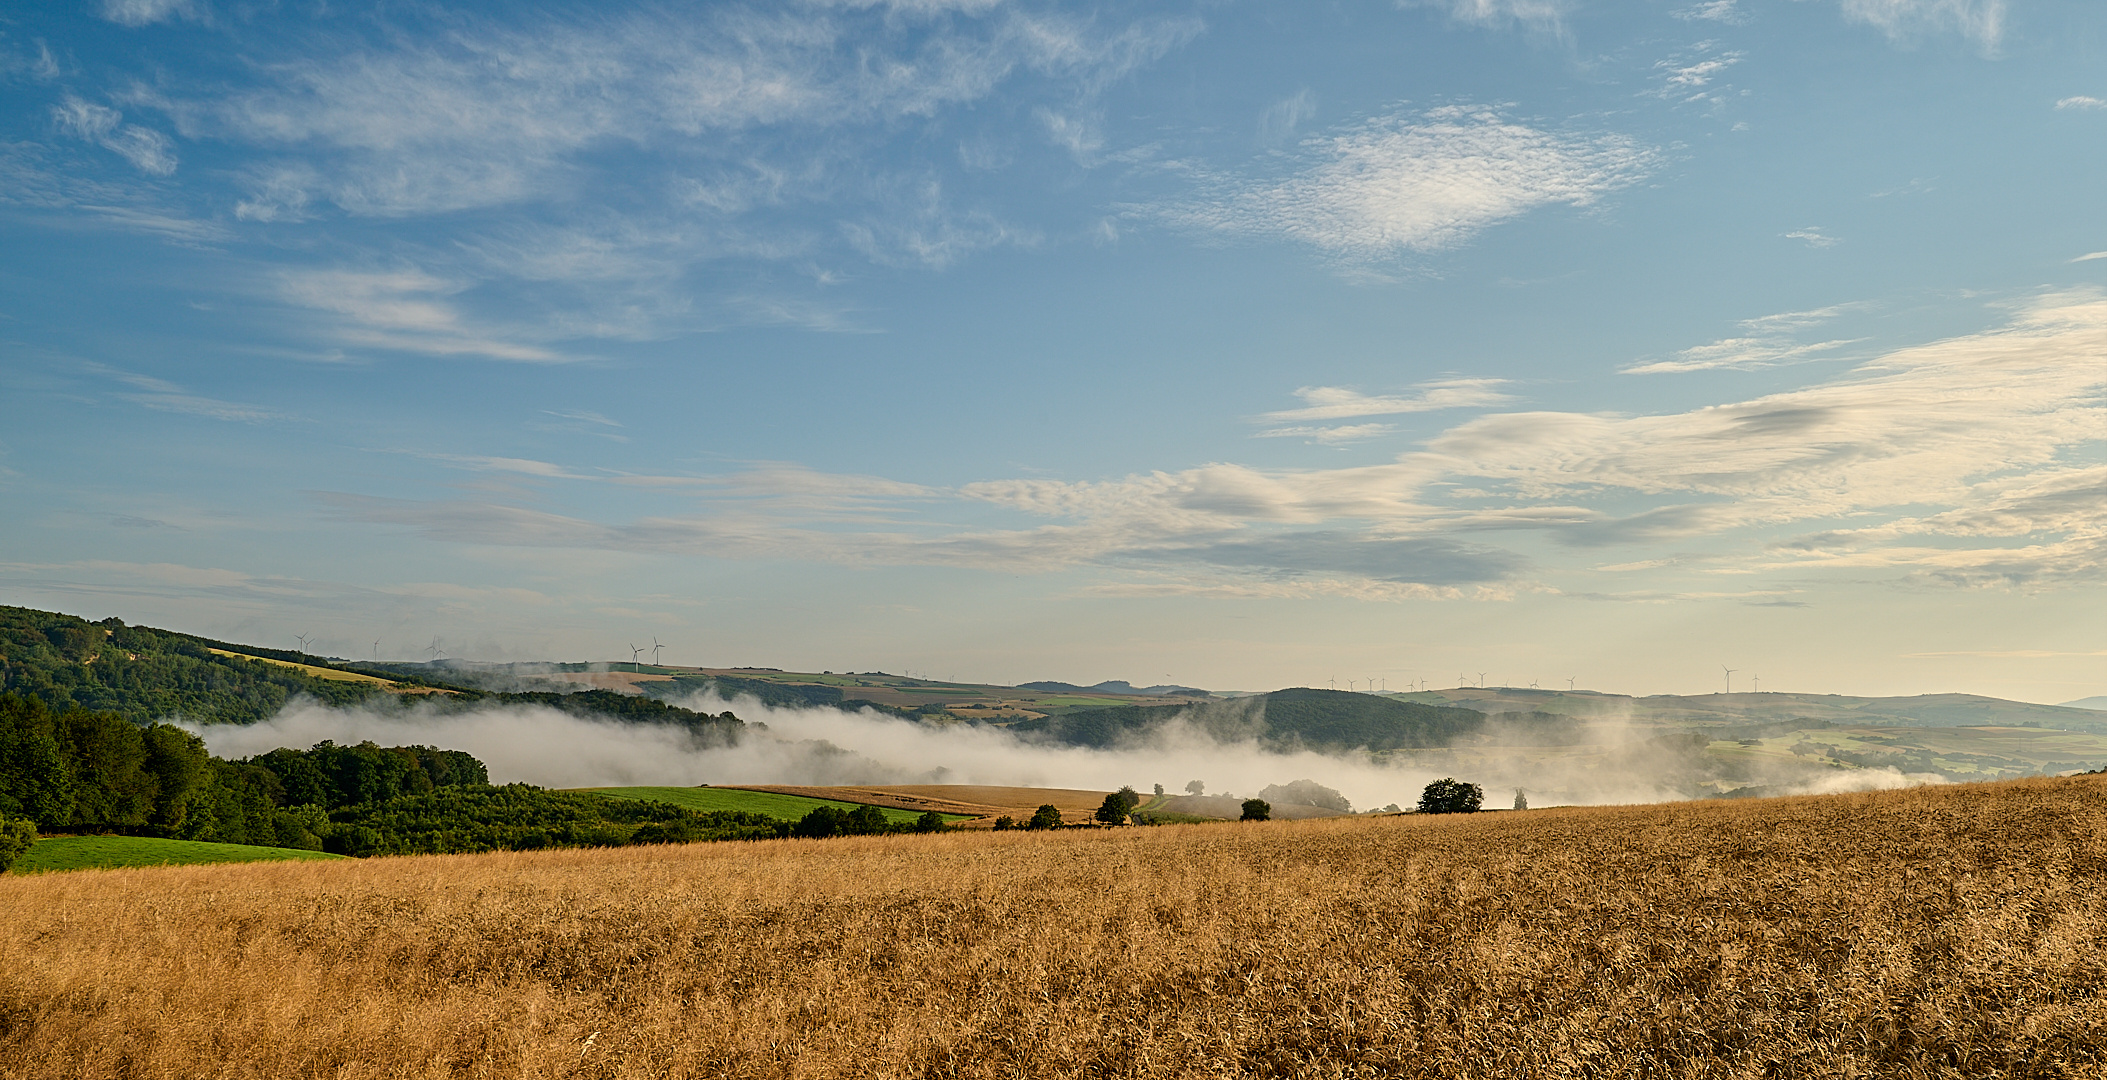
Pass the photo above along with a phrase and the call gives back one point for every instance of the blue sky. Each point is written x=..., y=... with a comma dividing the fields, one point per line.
x=1239, y=345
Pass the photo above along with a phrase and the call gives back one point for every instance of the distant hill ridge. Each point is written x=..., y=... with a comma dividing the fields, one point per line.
x=1116, y=686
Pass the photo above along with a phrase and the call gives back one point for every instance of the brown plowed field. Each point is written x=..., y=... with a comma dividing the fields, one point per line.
x=984, y=803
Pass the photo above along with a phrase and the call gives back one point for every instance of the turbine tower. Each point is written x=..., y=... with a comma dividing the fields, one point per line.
x=1759, y=682
x=634, y=654
x=1569, y=683
x=1730, y=677
x=655, y=647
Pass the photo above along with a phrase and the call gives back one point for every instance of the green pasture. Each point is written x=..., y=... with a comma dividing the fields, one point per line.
x=780, y=807
x=103, y=852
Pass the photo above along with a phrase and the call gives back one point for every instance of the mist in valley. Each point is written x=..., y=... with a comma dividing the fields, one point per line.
x=1608, y=761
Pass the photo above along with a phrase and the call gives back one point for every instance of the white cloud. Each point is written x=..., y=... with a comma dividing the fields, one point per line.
x=1277, y=122
x=1741, y=353
x=1330, y=436
x=1425, y=182
x=1535, y=14
x=1981, y=20
x=1690, y=81
x=145, y=12
x=148, y=150
x=491, y=115
x=406, y=310
x=1813, y=236
x=2081, y=101
x=1339, y=403
x=1723, y=11
x=2090, y=257
x=164, y=396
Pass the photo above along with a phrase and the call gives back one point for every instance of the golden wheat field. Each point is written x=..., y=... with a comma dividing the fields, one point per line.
x=1936, y=932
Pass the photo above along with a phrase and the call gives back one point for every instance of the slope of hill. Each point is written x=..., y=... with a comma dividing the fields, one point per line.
x=105, y=852
x=1317, y=719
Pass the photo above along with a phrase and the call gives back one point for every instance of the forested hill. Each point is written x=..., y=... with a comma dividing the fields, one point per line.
x=1317, y=719
x=144, y=675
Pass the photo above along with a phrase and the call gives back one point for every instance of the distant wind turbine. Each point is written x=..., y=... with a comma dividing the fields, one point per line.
x=1481, y=680
x=303, y=639
x=634, y=654
x=376, y=650
x=1759, y=682
x=655, y=647
x=1569, y=681
x=1730, y=677
x=435, y=648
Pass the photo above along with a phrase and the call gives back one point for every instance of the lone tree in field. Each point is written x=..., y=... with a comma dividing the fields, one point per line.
x=1521, y=799
x=1047, y=816
x=1118, y=805
x=931, y=821
x=1257, y=810
x=1451, y=796
x=1195, y=788
x=1159, y=791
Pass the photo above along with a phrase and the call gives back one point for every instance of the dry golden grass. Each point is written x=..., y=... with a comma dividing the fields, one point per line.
x=1944, y=932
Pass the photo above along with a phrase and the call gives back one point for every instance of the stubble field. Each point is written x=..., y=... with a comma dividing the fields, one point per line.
x=1934, y=932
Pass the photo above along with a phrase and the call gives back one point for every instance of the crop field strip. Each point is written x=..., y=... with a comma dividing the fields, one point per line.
x=785, y=807
x=1935, y=932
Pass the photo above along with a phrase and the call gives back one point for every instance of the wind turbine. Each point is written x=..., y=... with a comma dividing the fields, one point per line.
x=1569, y=682
x=1481, y=680
x=1759, y=682
x=303, y=639
x=435, y=648
x=634, y=653
x=655, y=647
x=1730, y=677
x=376, y=650
x=1532, y=684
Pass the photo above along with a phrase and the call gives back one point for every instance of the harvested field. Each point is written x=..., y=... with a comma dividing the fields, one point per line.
x=984, y=804
x=1937, y=932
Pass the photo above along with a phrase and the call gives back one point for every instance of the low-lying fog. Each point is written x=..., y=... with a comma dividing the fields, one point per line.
x=824, y=746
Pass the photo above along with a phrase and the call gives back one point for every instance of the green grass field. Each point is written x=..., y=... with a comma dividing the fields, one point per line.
x=101, y=852
x=781, y=807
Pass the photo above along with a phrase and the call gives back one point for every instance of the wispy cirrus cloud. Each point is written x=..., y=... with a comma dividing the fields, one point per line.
x=1409, y=183
x=1340, y=403
x=1720, y=11
x=1768, y=343
x=1980, y=20
x=2082, y=101
x=164, y=396
x=1533, y=14
x=402, y=310
x=148, y=150
x=146, y=12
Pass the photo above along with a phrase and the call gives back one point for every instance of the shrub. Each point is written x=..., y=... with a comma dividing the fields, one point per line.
x=1047, y=816
x=1451, y=796
x=1257, y=810
x=930, y=821
x=1005, y=823
x=17, y=836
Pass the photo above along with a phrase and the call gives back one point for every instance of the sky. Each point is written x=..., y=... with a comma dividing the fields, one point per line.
x=1236, y=345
